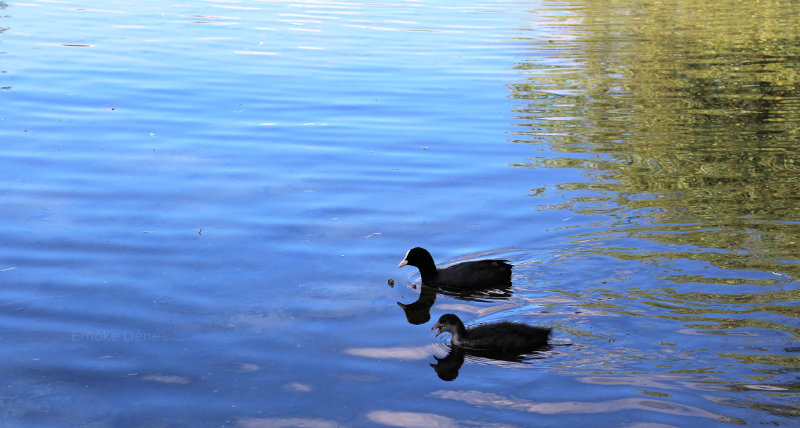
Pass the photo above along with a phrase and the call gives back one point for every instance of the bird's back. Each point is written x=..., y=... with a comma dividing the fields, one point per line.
x=475, y=275
x=506, y=337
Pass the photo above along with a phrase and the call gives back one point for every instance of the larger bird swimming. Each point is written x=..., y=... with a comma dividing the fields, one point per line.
x=471, y=275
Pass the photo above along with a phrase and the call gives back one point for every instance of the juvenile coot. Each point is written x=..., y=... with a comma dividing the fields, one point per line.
x=502, y=337
x=466, y=275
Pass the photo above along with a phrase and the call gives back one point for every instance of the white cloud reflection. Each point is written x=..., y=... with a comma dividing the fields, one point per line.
x=297, y=387
x=286, y=423
x=399, y=352
x=565, y=407
x=169, y=379
x=410, y=419
x=423, y=420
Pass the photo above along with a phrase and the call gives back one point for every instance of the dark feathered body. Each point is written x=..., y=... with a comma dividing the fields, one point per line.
x=502, y=337
x=478, y=274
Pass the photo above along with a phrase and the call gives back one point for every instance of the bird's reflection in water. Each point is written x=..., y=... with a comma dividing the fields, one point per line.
x=419, y=312
x=447, y=368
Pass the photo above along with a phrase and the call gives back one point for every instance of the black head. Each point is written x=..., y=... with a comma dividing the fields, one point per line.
x=418, y=257
x=448, y=323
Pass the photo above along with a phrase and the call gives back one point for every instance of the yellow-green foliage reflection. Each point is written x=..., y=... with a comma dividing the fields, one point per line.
x=683, y=118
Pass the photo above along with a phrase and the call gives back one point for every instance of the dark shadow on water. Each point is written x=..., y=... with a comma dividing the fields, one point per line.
x=448, y=367
x=502, y=292
x=419, y=312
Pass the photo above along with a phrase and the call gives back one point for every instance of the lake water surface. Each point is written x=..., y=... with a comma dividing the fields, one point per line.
x=204, y=204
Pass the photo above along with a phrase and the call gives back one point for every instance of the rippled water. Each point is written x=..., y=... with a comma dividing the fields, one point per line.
x=204, y=205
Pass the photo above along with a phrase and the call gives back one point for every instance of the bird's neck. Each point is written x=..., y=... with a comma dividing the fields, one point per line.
x=427, y=269
x=428, y=273
x=460, y=335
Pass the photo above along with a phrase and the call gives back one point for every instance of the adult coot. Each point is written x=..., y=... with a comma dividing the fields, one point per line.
x=476, y=274
x=502, y=337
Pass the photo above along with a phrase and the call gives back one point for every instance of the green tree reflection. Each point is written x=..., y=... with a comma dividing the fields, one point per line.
x=684, y=119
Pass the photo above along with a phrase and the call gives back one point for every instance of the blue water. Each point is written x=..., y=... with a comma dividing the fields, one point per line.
x=204, y=206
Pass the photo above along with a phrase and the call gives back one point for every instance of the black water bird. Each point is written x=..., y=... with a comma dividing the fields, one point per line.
x=502, y=338
x=470, y=275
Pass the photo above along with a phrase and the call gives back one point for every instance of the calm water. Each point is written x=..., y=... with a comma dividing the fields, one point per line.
x=204, y=204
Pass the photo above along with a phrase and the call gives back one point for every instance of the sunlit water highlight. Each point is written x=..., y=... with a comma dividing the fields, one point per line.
x=204, y=205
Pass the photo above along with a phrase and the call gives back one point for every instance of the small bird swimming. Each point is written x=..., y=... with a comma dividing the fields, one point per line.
x=501, y=337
